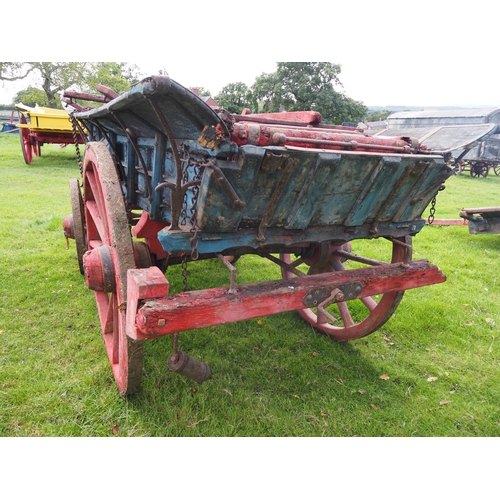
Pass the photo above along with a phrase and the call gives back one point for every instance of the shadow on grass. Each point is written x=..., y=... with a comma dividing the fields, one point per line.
x=290, y=383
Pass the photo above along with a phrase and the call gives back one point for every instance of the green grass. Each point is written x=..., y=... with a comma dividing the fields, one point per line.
x=273, y=376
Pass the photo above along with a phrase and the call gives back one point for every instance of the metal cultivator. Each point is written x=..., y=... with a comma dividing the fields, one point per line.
x=167, y=180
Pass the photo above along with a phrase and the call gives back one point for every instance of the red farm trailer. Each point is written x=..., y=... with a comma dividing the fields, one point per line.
x=167, y=180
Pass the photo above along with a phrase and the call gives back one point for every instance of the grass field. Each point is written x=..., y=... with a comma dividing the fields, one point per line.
x=432, y=370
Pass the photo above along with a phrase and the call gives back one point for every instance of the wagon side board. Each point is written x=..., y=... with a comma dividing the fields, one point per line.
x=293, y=195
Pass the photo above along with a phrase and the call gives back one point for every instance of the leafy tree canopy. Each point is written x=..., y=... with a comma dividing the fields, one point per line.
x=117, y=76
x=235, y=97
x=303, y=86
x=54, y=77
x=31, y=97
x=202, y=91
x=378, y=115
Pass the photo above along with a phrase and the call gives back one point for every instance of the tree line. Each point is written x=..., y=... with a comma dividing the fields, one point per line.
x=294, y=86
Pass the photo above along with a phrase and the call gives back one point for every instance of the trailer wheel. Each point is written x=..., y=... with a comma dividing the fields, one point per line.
x=110, y=246
x=355, y=318
x=478, y=169
x=78, y=220
x=496, y=169
x=24, y=135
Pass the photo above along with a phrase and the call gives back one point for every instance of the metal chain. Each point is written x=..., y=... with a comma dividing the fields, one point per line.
x=184, y=271
x=75, y=140
x=185, y=178
x=432, y=210
x=175, y=354
x=190, y=162
x=194, y=225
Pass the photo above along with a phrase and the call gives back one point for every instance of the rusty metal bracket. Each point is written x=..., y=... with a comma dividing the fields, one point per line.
x=133, y=141
x=225, y=185
x=408, y=247
x=282, y=264
x=232, y=271
x=323, y=297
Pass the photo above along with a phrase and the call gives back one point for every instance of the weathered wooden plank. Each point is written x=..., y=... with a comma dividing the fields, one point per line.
x=197, y=309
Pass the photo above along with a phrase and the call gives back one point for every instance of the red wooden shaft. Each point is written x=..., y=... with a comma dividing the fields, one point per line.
x=163, y=315
x=275, y=135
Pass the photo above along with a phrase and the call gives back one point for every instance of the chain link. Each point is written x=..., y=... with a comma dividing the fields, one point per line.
x=194, y=224
x=432, y=210
x=184, y=271
x=185, y=178
x=75, y=140
x=187, y=163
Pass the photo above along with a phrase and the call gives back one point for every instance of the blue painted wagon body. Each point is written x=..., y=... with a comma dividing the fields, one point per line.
x=168, y=180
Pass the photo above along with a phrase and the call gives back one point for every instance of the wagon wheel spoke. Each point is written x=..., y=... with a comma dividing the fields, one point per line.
x=351, y=319
x=370, y=303
x=108, y=235
x=345, y=315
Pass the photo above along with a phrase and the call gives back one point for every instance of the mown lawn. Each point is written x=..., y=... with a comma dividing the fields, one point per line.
x=432, y=370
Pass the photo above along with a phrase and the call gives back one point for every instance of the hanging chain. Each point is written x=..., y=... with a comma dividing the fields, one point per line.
x=194, y=228
x=432, y=210
x=187, y=162
x=184, y=271
x=75, y=140
x=194, y=224
x=185, y=165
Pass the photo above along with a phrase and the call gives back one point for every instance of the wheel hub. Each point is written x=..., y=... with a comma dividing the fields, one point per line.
x=99, y=271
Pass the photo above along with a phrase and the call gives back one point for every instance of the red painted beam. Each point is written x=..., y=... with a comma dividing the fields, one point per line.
x=448, y=222
x=150, y=313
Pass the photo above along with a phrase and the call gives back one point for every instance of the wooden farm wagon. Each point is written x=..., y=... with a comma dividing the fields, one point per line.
x=451, y=130
x=167, y=180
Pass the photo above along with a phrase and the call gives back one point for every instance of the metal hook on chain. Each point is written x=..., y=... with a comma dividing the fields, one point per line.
x=175, y=354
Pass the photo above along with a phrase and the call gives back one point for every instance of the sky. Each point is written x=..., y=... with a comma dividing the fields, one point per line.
x=391, y=53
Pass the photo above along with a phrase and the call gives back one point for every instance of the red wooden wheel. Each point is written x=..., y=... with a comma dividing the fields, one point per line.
x=478, y=169
x=109, y=242
x=355, y=318
x=78, y=220
x=24, y=135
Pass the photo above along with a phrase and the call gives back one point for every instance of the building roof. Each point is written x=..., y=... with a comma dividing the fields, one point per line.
x=446, y=113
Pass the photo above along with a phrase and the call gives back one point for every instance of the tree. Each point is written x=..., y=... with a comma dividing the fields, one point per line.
x=201, y=91
x=51, y=77
x=54, y=77
x=117, y=76
x=234, y=97
x=303, y=86
x=378, y=115
x=31, y=97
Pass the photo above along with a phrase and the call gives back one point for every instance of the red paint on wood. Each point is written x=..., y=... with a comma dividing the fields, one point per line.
x=198, y=309
x=149, y=229
x=448, y=222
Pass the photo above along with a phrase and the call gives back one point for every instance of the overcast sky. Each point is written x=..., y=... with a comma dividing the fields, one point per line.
x=392, y=53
